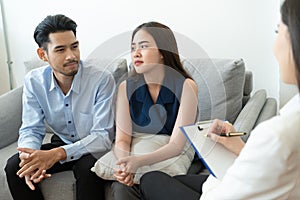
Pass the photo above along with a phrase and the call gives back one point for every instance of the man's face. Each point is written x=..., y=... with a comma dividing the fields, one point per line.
x=63, y=54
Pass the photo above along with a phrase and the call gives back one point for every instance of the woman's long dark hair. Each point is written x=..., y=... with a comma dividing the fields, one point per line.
x=290, y=15
x=166, y=44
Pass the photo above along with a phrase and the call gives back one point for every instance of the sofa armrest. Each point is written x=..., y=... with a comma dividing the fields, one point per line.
x=10, y=116
x=248, y=116
x=269, y=110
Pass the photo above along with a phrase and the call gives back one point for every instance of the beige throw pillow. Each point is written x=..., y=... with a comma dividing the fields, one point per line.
x=143, y=144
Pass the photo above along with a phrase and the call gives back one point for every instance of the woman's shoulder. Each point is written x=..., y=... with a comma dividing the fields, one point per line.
x=282, y=129
x=190, y=84
x=190, y=81
x=122, y=86
x=286, y=121
x=130, y=82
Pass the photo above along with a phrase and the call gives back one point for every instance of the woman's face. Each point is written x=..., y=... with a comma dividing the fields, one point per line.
x=284, y=55
x=144, y=52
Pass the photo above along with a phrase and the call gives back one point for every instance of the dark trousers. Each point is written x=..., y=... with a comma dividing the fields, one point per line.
x=158, y=185
x=124, y=192
x=88, y=184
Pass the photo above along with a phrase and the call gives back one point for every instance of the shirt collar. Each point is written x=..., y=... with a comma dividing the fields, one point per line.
x=53, y=82
x=77, y=79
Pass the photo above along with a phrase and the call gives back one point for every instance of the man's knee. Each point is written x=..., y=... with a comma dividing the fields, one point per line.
x=12, y=165
x=84, y=164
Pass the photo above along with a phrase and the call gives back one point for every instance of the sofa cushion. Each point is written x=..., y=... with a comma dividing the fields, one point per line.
x=143, y=144
x=117, y=67
x=220, y=86
x=248, y=87
x=33, y=64
x=62, y=183
x=10, y=116
x=6, y=153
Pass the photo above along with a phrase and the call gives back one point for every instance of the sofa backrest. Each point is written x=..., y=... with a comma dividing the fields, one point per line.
x=248, y=87
x=220, y=87
x=223, y=85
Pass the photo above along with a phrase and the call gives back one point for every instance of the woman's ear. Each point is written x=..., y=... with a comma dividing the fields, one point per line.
x=42, y=54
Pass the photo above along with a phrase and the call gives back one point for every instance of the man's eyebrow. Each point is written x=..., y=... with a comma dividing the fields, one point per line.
x=75, y=43
x=62, y=46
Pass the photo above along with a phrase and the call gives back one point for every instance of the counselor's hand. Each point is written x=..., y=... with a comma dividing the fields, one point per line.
x=234, y=144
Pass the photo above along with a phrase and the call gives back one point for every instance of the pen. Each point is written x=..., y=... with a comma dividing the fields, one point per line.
x=232, y=134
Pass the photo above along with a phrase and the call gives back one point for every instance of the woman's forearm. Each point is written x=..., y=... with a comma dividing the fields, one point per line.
x=170, y=150
x=121, y=149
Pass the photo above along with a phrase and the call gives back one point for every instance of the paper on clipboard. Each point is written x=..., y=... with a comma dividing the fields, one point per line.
x=214, y=155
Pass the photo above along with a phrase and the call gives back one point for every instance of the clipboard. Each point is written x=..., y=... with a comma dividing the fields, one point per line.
x=216, y=158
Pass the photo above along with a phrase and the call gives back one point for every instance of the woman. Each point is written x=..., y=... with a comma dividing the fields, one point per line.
x=268, y=165
x=158, y=98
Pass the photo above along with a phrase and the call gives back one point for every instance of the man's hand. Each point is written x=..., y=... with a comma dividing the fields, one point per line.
x=33, y=162
x=30, y=182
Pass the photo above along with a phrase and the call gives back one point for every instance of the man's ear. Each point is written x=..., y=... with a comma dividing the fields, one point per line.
x=42, y=54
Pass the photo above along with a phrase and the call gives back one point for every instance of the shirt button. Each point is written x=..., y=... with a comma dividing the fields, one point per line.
x=69, y=122
x=67, y=105
x=72, y=157
x=72, y=135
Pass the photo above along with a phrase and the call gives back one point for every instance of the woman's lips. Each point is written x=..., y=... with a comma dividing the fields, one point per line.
x=137, y=63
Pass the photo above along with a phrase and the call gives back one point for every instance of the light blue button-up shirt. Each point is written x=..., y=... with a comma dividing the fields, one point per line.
x=82, y=118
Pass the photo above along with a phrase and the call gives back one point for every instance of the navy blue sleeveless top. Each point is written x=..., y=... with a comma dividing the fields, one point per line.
x=158, y=118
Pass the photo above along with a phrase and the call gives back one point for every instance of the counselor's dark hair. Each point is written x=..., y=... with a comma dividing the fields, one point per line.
x=290, y=15
x=166, y=44
x=52, y=24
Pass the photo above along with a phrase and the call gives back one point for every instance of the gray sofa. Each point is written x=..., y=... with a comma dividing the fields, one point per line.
x=225, y=92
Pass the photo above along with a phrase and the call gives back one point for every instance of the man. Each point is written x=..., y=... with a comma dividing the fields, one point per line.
x=76, y=102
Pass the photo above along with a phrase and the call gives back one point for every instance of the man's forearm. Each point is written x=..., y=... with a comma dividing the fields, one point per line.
x=60, y=153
